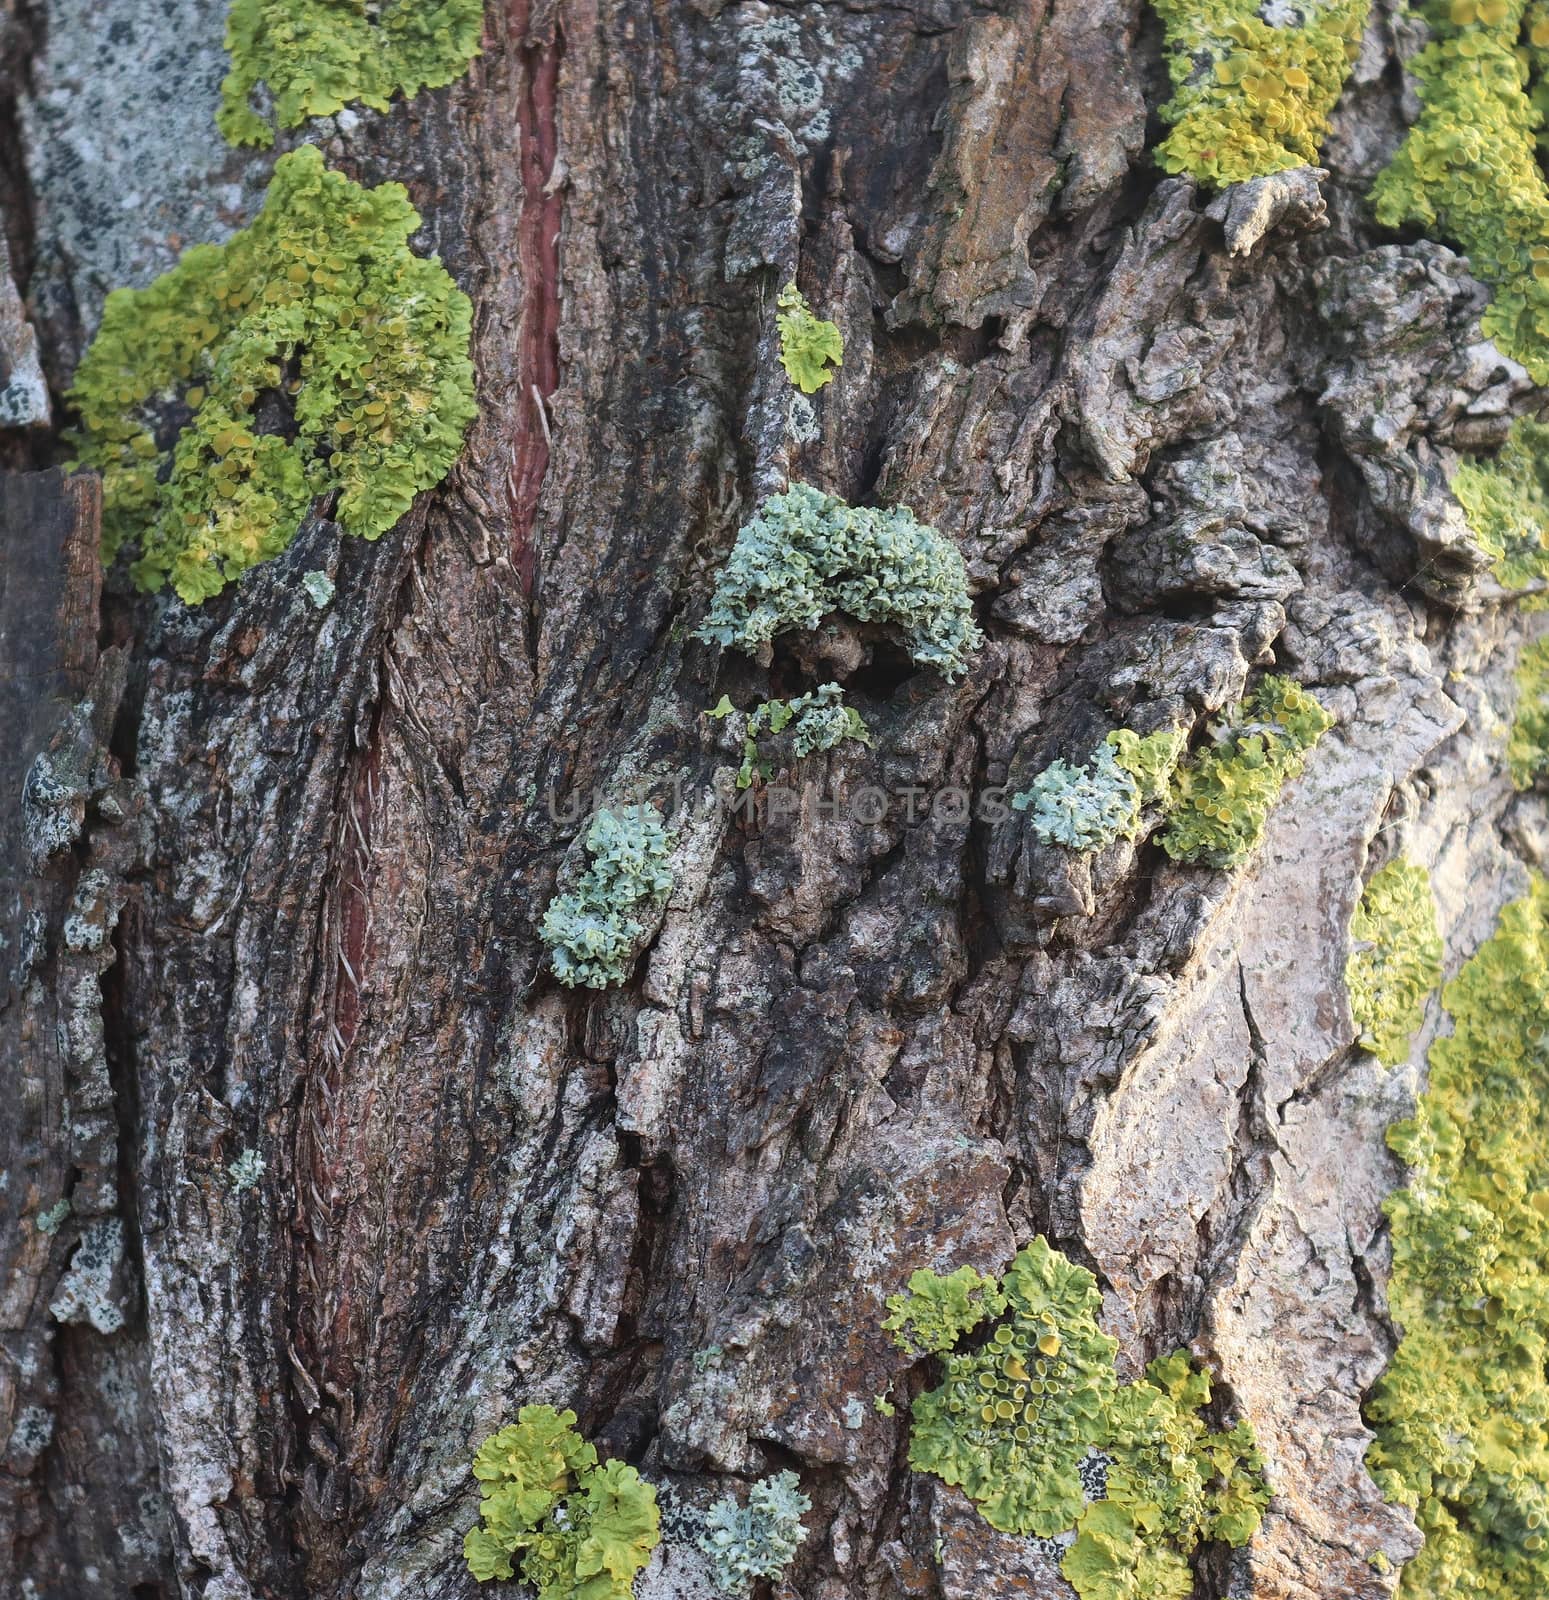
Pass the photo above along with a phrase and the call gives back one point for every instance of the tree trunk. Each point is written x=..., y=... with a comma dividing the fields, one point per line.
x=276, y=882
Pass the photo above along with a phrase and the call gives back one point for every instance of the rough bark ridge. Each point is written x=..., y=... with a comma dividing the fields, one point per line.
x=1175, y=438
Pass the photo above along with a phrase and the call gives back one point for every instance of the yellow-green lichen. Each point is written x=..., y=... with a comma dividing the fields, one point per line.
x=937, y=1311
x=1469, y=168
x=1252, y=96
x=1527, y=749
x=1222, y=796
x=1462, y=1413
x=1395, y=958
x=575, y=1530
x=311, y=354
x=1034, y=1425
x=810, y=349
x=1150, y=760
x=1506, y=500
x=1170, y=1484
x=317, y=56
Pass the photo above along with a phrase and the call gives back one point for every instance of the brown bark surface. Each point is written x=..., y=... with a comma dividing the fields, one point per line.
x=284, y=893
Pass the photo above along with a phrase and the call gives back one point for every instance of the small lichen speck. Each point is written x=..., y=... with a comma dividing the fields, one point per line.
x=33, y=1431
x=245, y=1172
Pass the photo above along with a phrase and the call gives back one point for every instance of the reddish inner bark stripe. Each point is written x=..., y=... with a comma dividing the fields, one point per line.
x=538, y=255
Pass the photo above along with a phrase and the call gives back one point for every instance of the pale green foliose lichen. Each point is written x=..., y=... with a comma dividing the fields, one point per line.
x=317, y=56
x=817, y=721
x=804, y=554
x=246, y=1171
x=759, y=1540
x=319, y=588
x=52, y=1220
x=1088, y=807
x=1395, y=958
x=1527, y=748
x=1469, y=168
x=1462, y=1413
x=594, y=932
x=1252, y=95
x=311, y=354
x=1222, y=795
x=1506, y=500
x=573, y=1529
x=1031, y=1419
x=1082, y=808
x=810, y=349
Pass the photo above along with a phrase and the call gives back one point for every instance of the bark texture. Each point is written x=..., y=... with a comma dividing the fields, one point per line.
x=274, y=873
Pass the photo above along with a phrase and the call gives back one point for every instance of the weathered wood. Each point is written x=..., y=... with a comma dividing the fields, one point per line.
x=78, y=1490
x=859, y=1044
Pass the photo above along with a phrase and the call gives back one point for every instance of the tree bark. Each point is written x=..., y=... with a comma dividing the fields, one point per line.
x=275, y=874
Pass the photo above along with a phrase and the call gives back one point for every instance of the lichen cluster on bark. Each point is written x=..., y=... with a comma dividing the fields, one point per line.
x=352, y=1177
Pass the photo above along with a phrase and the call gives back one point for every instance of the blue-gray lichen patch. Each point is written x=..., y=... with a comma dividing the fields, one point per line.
x=124, y=161
x=87, y=1292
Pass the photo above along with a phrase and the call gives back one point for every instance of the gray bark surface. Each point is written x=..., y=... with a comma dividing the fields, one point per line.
x=272, y=875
